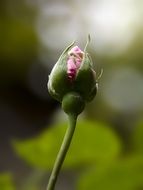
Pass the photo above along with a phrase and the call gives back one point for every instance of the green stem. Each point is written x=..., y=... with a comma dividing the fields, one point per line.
x=62, y=152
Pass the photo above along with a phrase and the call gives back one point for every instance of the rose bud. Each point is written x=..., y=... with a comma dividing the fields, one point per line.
x=73, y=73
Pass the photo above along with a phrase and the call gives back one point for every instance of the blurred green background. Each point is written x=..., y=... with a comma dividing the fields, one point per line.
x=107, y=150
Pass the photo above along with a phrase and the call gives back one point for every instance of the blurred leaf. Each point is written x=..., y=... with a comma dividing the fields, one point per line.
x=33, y=181
x=122, y=175
x=138, y=138
x=6, y=182
x=92, y=142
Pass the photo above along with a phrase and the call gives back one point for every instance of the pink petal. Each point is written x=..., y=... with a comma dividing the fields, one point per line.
x=71, y=65
x=78, y=62
x=71, y=69
x=74, y=62
x=76, y=50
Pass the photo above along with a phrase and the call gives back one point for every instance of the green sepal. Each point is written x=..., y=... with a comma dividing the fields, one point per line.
x=58, y=84
x=93, y=93
x=85, y=80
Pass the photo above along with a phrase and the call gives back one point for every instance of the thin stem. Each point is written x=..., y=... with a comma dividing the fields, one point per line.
x=62, y=152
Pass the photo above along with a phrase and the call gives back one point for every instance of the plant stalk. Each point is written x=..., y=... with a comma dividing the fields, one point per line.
x=62, y=152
